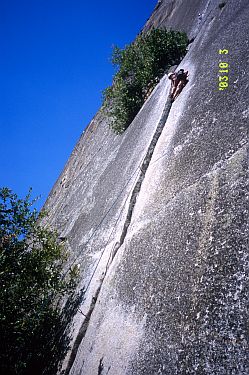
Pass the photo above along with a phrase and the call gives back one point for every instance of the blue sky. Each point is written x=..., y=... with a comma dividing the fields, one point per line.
x=55, y=62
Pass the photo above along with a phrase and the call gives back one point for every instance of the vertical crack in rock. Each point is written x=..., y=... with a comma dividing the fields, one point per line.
x=127, y=222
x=82, y=331
x=101, y=367
x=141, y=177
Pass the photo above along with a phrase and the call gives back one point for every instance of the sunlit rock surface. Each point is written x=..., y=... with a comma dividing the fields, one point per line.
x=165, y=261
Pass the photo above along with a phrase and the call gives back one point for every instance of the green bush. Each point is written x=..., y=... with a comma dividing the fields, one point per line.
x=34, y=323
x=139, y=67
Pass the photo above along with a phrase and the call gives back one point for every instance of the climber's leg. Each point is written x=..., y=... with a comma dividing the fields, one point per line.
x=178, y=90
x=174, y=85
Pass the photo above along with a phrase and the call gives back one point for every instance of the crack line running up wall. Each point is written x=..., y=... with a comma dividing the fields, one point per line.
x=134, y=195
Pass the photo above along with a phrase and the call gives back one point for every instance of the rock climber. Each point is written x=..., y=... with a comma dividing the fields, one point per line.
x=178, y=82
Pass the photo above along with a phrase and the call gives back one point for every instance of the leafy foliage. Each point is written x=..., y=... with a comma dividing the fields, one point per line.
x=34, y=323
x=139, y=67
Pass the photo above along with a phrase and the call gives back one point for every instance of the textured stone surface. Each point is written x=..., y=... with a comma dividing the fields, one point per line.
x=174, y=293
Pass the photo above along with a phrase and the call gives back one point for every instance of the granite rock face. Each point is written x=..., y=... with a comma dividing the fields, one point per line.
x=157, y=218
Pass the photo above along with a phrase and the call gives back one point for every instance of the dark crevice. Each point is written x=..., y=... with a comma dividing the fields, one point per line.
x=101, y=366
x=82, y=331
x=222, y=4
x=141, y=177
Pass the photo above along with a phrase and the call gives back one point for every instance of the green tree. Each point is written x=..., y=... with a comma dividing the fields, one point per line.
x=139, y=66
x=34, y=321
